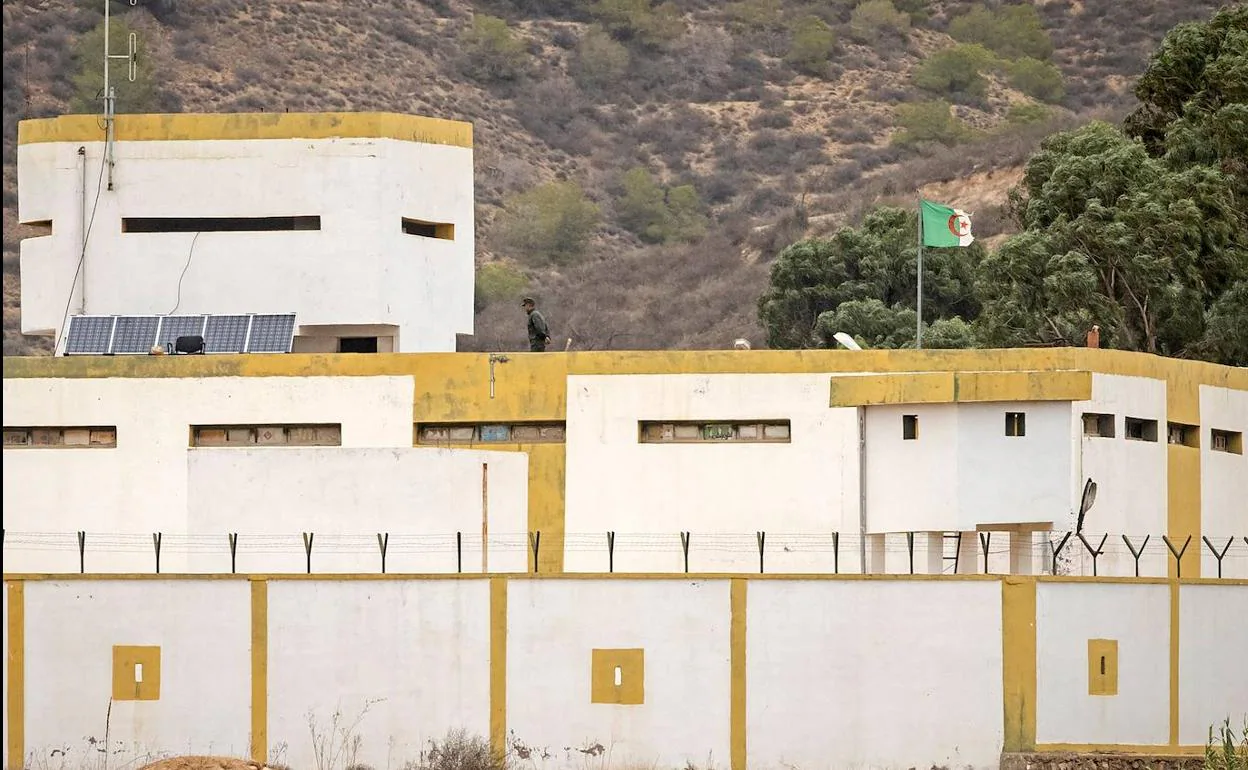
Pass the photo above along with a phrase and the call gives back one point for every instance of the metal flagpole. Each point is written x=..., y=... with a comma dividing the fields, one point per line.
x=918, y=332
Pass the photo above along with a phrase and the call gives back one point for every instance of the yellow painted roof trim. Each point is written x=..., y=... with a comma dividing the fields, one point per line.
x=250, y=125
x=960, y=387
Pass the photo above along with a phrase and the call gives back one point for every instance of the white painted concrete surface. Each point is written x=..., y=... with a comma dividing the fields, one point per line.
x=396, y=662
x=359, y=268
x=684, y=629
x=875, y=674
x=203, y=630
x=1223, y=482
x=420, y=496
x=1213, y=669
x=1138, y=617
x=616, y=482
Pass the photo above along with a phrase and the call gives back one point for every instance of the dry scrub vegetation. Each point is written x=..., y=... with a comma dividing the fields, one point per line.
x=638, y=163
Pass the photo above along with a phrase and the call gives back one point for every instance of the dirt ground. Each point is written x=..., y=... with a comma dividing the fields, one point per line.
x=202, y=763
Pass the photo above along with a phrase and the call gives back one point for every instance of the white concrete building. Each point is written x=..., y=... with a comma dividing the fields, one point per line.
x=361, y=224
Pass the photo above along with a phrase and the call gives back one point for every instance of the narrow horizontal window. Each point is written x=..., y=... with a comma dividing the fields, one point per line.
x=218, y=224
x=490, y=433
x=1098, y=425
x=1182, y=434
x=92, y=437
x=718, y=432
x=443, y=230
x=1015, y=424
x=266, y=435
x=909, y=427
x=1226, y=441
x=1140, y=430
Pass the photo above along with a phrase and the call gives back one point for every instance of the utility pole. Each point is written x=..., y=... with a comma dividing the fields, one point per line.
x=110, y=93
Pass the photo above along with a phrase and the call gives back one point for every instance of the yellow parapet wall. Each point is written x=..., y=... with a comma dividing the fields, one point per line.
x=251, y=125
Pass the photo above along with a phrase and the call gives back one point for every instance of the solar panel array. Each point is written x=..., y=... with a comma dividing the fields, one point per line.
x=103, y=335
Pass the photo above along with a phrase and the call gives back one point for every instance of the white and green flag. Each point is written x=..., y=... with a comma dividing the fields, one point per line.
x=945, y=227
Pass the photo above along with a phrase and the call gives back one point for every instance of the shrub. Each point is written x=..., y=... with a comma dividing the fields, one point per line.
x=1038, y=79
x=1013, y=31
x=599, y=61
x=813, y=41
x=550, y=223
x=491, y=52
x=1022, y=114
x=929, y=122
x=875, y=21
x=771, y=119
x=459, y=751
x=658, y=215
x=498, y=282
x=637, y=21
x=955, y=71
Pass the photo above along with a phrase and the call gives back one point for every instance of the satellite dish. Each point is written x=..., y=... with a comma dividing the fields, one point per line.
x=846, y=341
x=1085, y=505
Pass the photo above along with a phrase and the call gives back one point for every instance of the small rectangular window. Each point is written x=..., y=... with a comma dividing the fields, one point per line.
x=442, y=230
x=266, y=435
x=1098, y=425
x=218, y=224
x=1015, y=424
x=1182, y=434
x=86, y=437
x=1138, y=429
x=488, y=433
x=717, y=432
x=1226, y=441
x=357, y=344
x=909, y=427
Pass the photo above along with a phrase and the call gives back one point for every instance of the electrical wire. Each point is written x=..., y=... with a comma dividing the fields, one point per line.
x=86, y=239
x=185, y=267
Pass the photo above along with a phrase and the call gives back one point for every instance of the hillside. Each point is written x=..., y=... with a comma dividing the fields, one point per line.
x=781, y=116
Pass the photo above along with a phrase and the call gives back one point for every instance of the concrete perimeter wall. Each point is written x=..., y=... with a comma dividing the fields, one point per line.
x=764, y=672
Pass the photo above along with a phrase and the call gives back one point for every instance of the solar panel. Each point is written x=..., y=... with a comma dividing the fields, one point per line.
x=271, y=333
x=89, y=335
x=134, y=334
x=174, y=326
x=226, y=333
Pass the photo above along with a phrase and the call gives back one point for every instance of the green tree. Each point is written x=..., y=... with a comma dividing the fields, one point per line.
x=873, y=266
x=640, y=22
x=1117, y=238
x=491, y=52
x=813, y=41
x=929, y=122
x=499, y=282
x=599, y=62
x=1037, y=79
x=956, y=72
x=917, y=10
x=1012, y=31
x=143, y=95
x=875, y=21
x=659, y=215
x=552, y=222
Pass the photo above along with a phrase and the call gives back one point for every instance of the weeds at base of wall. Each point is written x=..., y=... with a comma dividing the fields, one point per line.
x=1223, y=751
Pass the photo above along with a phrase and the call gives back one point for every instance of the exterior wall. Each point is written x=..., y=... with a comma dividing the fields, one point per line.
x=553, y=627
x=140, y=487
x=1213, y=670
x=393, y=663
x=421, y=497
x=359, y=268
x=843, y=655
x=1138, y=618
x=928, y=499
x=203, y=631
x=1223, y=482
x=807, y=486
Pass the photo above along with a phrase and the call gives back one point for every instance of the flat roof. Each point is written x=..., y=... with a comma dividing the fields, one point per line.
x=249, y=125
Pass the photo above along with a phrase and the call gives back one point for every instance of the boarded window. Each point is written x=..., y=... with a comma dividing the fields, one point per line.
x=1226, y=441
x=489, y=433
x=716, y=432
x=1098, y=425
x=1182, y=434
x=266, y=435
x=90, y=437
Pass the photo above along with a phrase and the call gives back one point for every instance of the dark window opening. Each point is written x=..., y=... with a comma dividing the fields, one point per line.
x=1226, y=441
x=425, y=229
x=1141, y=430
x=1098, y=425
x=357, y=344
x=1184, y=435
x=1015, y=424
x=217, y=224
x=909, y=426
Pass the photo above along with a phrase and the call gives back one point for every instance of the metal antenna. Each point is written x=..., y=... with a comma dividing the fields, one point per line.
x=110, y=93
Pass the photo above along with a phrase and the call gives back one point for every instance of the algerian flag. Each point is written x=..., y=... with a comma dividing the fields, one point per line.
x=945, y=227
